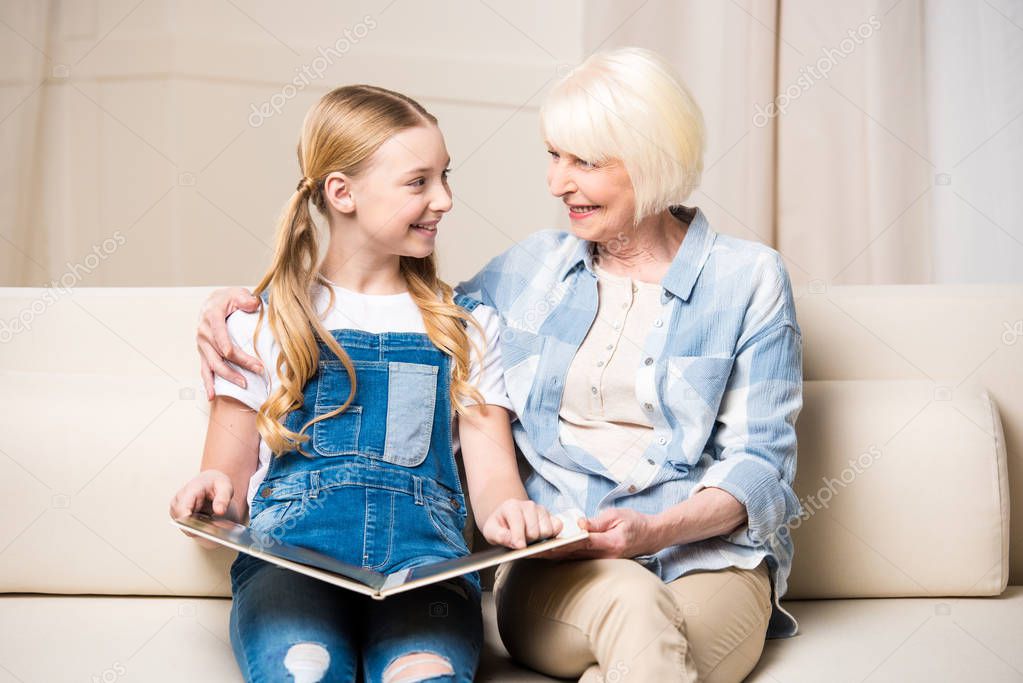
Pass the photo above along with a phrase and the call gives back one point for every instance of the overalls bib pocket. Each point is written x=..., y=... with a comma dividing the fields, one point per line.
x=411, y=401
x=339, y=434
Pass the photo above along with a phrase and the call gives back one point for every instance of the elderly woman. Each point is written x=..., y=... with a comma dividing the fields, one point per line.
x=655, y=369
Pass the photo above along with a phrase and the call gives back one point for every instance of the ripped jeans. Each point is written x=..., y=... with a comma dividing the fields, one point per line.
x=288, y=627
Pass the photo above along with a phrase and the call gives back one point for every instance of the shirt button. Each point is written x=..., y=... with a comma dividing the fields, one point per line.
x=610, y=346
x=662, y=441
x=616, y=325
x=648, y=361
x=648, y=406
x=600, y=363
x=649, y=461
x=625, y=305
x=593, y=390
x=266, y=491
x=635, y=287
x=658, y=322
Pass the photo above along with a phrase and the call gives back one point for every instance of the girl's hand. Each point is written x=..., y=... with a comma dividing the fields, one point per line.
x=210, y=490
x=614, y=533
x=213, y=341
x=516, y=522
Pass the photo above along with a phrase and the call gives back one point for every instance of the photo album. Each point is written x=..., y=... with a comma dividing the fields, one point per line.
x=366, y=581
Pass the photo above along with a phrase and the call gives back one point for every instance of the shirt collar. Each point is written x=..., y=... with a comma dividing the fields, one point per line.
x=691, y=256
x=685, y=267
x=582, y=253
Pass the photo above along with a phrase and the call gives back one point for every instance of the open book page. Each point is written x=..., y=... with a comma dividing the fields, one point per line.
x=424, y=575
x=303, y=560
x=352, y=577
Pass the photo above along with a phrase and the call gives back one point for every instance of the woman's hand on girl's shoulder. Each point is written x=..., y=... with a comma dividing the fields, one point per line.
x=210, y=490
x=214, y=342
x=515, y=523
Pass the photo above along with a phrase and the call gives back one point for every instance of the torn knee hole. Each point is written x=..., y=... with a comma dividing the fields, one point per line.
x=307, y=662
x=418, y=666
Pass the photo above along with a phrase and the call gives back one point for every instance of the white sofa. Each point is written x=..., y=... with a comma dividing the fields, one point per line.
x=900, y=572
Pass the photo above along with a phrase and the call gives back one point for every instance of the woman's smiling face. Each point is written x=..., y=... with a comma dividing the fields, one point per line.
x=599, y=197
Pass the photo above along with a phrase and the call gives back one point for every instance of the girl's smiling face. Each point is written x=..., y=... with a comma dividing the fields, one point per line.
x=397, y=201
x=599, y=197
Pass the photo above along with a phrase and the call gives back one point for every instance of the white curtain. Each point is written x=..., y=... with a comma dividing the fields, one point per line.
x=869, y=141
x=854, y=168
x=974, y=84
x=24, y=253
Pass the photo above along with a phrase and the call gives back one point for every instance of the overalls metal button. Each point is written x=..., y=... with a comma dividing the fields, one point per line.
x=266, y=491
x=454, y=503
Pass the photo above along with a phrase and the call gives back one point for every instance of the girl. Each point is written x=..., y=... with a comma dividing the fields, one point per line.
x=347, y=446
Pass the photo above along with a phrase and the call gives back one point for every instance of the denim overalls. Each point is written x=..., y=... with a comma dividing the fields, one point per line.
x=379, y=487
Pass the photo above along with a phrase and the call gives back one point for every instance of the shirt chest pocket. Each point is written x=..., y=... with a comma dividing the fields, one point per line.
x=391, y=417
x=694, y=387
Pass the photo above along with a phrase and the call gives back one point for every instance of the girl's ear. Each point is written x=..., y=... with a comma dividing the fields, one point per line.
x=337, y=190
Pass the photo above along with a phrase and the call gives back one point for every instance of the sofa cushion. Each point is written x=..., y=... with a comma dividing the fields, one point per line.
x=88, y=461
x=186, y=639
x=972, y=333
x=899, y=640
x=91, y=464
x=904, y=491
x=902, y=483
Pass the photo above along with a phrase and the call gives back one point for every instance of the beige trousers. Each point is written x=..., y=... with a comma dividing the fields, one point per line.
x=615, y=621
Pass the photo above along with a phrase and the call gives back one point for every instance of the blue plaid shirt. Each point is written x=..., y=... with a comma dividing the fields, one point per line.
x=721, y=382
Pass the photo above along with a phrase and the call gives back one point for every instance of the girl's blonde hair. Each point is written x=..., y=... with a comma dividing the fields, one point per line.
x=340, y=134
x=629, y=104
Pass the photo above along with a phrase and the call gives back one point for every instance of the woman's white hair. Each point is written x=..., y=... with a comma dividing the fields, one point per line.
x=628, y=104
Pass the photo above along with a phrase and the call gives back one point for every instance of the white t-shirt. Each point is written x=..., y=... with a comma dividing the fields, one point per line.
x=373, y=313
